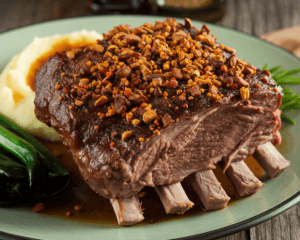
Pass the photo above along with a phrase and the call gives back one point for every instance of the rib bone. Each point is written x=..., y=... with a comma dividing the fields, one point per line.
x=270, y=159
x=174, y=198
x=127, y=210
x=209, y=190
x=242, y=178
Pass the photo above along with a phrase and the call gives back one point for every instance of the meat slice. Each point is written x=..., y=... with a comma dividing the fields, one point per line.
x=209, y=190
x=152, y=105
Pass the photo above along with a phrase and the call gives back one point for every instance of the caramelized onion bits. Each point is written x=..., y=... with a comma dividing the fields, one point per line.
x=149, y=116
x=101, y=101
x=244, y=93
x=126, y=135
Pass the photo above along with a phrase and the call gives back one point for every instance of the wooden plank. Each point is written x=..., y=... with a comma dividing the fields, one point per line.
x=284, y=226
x=243, y=235
x=262, y=231
x=229, y=20
x=259, y=22
x=244, y=21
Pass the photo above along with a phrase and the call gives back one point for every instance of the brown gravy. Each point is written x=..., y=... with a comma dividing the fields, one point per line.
x=98, y=210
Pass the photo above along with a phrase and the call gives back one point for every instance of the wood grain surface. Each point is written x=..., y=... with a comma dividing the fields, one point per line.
x=251, y=16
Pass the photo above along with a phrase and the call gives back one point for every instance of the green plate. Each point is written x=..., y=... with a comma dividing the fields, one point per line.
x=276, y=196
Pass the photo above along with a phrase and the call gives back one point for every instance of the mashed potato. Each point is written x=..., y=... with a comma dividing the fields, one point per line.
x=17, y=79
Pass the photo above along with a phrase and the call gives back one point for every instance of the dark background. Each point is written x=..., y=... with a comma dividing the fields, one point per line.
x=255, y=17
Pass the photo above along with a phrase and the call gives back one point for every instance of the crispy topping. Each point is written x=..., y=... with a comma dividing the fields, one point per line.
x=245, y=94
x=267, y=73
x=132, y=39
x=156, y=132
x=126, y=135
x=135, y=122
x=78, y=103
x=257, y=85
x=96, y=47
x=149, y=116
x=71, y=54
x=157, y=81
x=129, y=117
x=168, y=60
x=123, y=72
x=101, y=101
x=240, y=81
x=182, y=97
x=265, y=80
x=176, y=73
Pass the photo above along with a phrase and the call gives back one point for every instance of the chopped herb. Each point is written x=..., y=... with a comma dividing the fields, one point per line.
x=290, y=100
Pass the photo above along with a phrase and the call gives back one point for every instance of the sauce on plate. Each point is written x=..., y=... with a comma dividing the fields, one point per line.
x=98, y=210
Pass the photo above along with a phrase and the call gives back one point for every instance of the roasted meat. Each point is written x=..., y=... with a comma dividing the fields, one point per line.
x=152, y=105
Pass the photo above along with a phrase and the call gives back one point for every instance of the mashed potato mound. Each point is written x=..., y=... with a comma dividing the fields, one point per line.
x=17, y=79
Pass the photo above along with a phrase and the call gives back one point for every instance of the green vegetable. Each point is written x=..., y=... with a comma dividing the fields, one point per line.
x=290, y=100
x=27, y=169
x=24, y=151
x=51, y=161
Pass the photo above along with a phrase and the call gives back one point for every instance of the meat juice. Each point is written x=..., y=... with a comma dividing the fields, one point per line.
x=98, y=210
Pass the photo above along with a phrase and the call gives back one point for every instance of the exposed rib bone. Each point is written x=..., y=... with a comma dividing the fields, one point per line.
x=242, y=178
x=127, y=210
x=174, y=198
x=209, y=190
x=270, y=159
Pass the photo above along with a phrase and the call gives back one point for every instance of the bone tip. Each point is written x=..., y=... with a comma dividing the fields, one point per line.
x=131, y=222
x=217, y=205
x=251, y=191
x=179, y=209
x=279, y=170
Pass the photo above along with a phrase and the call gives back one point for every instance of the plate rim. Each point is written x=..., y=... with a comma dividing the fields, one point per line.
x=221, y=232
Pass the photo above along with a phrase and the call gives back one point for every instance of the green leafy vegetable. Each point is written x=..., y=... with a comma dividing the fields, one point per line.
x=27, y=169
x=290, y=100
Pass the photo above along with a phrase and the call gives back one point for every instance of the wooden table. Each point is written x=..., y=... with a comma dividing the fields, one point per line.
x=251, y=16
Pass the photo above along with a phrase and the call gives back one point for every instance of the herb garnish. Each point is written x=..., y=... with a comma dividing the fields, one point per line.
x=290, y=100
